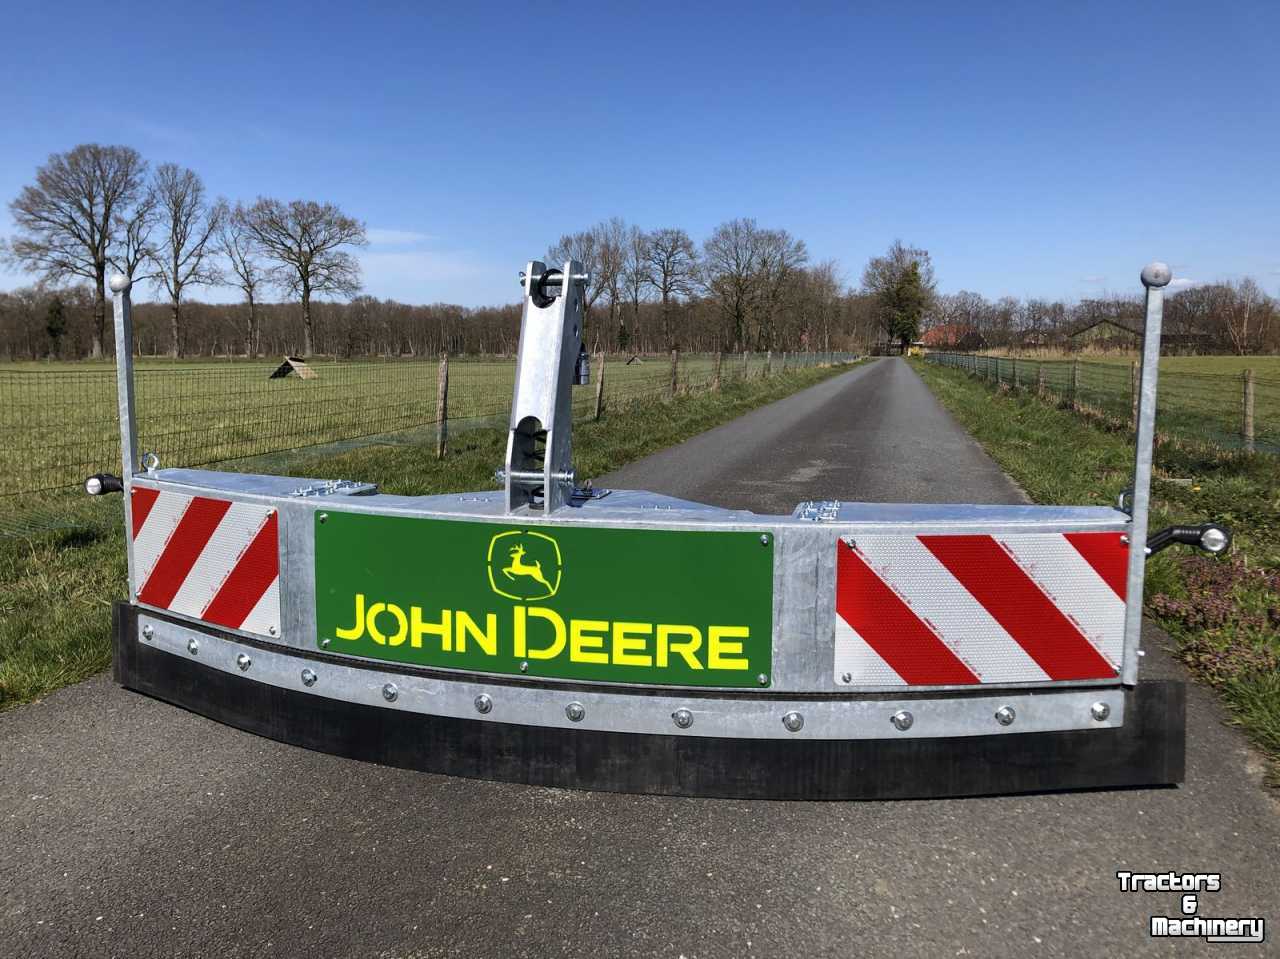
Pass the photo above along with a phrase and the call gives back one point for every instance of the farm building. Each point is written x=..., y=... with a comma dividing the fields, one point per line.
x=953, y=336
x=1105, y=335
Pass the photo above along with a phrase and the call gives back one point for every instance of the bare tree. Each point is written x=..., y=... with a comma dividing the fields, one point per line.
x=780, y=256
x=68, y=219
x=730, y=259
x=306, y=240
x=886, y=276
x=183, y=256
x=601, y=251
x=133, y=231
x=235, y=243
x=671, y=267
x=635, y=281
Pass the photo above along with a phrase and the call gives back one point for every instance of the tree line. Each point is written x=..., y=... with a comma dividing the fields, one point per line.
x=744, y=287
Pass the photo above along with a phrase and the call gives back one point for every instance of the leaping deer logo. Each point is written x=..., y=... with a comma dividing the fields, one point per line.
x=519, y=567
x=533, y=569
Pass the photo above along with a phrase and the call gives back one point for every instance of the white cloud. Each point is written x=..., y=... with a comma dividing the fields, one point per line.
x=383, y=237
x=1181, y=283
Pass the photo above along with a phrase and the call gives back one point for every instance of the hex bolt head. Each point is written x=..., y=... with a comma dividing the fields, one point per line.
x=682, y=718
x=324, y=643
x=390, y=693
x=902, y=720
x=484, y=705
x=764, y=539
x=846, y=678
x=763, y=679
x=524, y=667
x=272, y=630
x=193, y=646
x=309, y=677
x=244, y=662
x=1100, y=711
x=793, y=721
x=148, y=631
x=323, y=517
x=576, y=712
x=1005, y=715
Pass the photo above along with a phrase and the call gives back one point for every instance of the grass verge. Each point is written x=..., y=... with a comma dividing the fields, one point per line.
x=1223, y=614
x=56, y=588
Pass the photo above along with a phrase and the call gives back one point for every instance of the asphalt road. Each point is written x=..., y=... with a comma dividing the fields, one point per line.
x=131, y=828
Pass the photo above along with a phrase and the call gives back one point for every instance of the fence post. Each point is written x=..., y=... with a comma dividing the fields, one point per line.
x=1248, y=411
x=442, y=407
x=1015, y=374
x=744, y=364
x=1075, y=384
x=1133, y=395
x=1040, y=380
x=675, y=372
x=784, y=361
x=715, y=379
x=600, y=387
x=768, y=364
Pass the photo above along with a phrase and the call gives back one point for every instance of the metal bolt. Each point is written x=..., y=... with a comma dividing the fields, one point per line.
x=682, y=718
x=309, y=677
x=193, y=646
x=763, y=679
x=524, y=667
x=1005, y=715
x=272, y=630
x=147, y=632
x=484, y=704
x=793, y=721
x=389, y=692
x=846, y=677
x=1099, y=711
x=324, y=643
x=903, y=720
x=244, y=662
x=576, y=712
x=764, y=539
x=323, y=517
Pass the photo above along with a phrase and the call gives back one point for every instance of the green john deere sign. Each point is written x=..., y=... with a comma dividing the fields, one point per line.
x=617, y=605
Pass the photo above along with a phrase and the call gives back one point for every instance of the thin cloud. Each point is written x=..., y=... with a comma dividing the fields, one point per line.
x=1093, y=279
x=384, y=237
x=1181, y=283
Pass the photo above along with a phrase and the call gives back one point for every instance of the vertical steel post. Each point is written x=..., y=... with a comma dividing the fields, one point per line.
x=1155, y=277
x=122, y=310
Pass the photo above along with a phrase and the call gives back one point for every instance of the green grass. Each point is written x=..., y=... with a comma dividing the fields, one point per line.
x=58, y=420
x=1223, y=614
x=56, y=588
x=1268, y=366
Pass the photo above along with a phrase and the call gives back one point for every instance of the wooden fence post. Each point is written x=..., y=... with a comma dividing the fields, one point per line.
x=715, y=379
x=1040, y=380
x=1134, y=379
x=675, y=372
x=442, y=407
x=1015, y=374
x=1248, y=411
x=744, y=364
x=600, y=386
x=1075, y=384
x=784, y=361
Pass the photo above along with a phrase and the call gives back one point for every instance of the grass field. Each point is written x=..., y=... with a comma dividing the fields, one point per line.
x=1224, y=613
x=1202, y=400
x=1268, y=366
x=56, y=588
x=58, y=421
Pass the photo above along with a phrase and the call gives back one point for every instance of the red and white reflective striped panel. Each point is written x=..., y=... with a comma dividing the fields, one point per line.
x=962, y=610
x=211, y=559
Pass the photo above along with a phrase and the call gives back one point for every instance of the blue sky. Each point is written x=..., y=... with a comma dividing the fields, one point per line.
x=1035, y=149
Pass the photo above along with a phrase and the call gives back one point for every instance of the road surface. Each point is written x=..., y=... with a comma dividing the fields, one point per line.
x=131, y=828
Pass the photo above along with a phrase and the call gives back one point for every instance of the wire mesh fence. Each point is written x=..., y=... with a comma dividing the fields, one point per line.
x=1230, y=411
x=59, y=424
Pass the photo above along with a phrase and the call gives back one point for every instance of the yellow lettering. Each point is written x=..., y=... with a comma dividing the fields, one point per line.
x=440, y=629
x=356, y=631
x=585, y=637
x=395, y=639
x=685, y=648
x=720, y=648
x=486, y=640
x=521, y=642
x=629, y=644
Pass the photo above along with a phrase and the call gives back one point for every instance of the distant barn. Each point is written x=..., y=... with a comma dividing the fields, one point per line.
x=294, y=365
